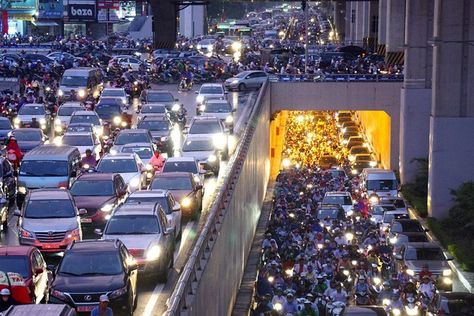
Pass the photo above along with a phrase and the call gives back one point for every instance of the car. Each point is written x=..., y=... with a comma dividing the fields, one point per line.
x=127, y=62
x=8, y=183
x=184, y=189
x=93, y=268
x=328, y=161
x=171, y=208
x=64, y=115
x=213, y=127
x=341, y=198
x=454, y=303
x=116, y=93
x=145, y=232
x=159, y=96
x=389, y=216
x=63, y=57
x=151, y=109
x=330, y=211
x=355, y=150
x=112, y=111
x=354, y=141
x=246, y=80
x=402, y=226
x=209, y=91
x=49, y=220
x=399, y=202
x=82, y=141
x=415, y=255
x=128, y=165
x=350, y=132
x=34, y=58
x=89, y=117
x=6, y=128
x=221, y=109
x=206, y=46
x=28, y=262
x=185, y=164
x=160, y=130
x=131, y=136
x=32, y=110
x=202, y=148
x=99, y=194
x=360, y=162
x=398, y=240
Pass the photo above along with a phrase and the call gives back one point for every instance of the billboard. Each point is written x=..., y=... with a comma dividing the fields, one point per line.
x=20, y=5
x=81, y=11
x=50, y=9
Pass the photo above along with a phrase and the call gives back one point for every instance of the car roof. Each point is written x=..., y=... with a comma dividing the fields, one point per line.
x=149, y=193
x=335, y=193
x=134, y=131
x=178, y=159
x=15, y=250
x=119, y=155
x=176, y=174
x=85, y=113
x=79, y=134
x=198, y=137
x=26, y=129
x=426, y=244
x=212, y=85
x=79, y=71
x=113, y=89
x=158, y=91
x=33, y=105
x=154, y=117
x=205, y=118
x=136, y=145
x=146, y=208
x=45, y=194
x=71, y=104
x=217, y=100
x=97, y=176
x=50, y=152
x=94, y=245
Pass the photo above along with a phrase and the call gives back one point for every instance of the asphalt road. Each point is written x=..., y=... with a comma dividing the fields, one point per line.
x=152, y=296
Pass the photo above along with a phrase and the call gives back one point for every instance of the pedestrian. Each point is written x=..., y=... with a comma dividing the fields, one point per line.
x=103, y=309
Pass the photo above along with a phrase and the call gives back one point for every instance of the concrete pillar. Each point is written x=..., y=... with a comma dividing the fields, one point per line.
x=395, y=31
x=165, y=24
x=192, y=21
x=351, y=8
x=452, y=114
x=359, y=23
x=382, y=27
x=340, y=20
x=416, y=91
x=371, y=25
x=348, y=23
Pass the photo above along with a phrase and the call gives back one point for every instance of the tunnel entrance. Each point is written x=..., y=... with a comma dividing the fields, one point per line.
x=332, y=135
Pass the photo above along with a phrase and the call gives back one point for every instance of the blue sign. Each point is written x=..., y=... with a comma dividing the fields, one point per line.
x=50, y=9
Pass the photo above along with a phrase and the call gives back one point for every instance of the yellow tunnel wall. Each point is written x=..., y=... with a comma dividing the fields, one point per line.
x=277, y=140
x=376, y=125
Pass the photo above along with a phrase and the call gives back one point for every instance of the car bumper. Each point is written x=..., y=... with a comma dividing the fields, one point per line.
x=118, y=304
x=146, y=267
x=45, y=246
x=97, y=220
x=231, y=85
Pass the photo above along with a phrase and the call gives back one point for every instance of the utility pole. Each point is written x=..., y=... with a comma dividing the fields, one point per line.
x=305, y=10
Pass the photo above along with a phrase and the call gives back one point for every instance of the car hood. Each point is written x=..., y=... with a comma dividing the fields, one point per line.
x=49, y=224
x=92, y=201
x=135, y=241
x=29, y=118
x=86, y=284
x=28, y=145
x=156, y=134
x=219, y=115
x=199, y=155
x=436, y=267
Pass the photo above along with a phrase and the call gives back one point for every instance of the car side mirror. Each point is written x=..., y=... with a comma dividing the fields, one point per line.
x=234, y=110
x=39, y=270
x=176, y=100
x=98, y=232
x=17, y=213
x=198, y=187
x=169, y=231
x=398, y=256
x=82, y=211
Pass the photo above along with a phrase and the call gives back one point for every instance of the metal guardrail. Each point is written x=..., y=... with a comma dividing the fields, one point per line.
x=183, y=294
x=337, y=78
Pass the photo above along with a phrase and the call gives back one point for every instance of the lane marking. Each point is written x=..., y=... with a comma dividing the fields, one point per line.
x=153, y=299
x=184, y=237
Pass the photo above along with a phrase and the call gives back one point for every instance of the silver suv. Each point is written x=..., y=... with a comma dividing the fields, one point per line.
x=212, y=127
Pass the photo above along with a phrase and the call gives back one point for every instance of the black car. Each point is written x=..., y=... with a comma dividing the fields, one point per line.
x=5, y=128
x=331, y=211
x=111, y=110
x=93, y=268
x=34, y=58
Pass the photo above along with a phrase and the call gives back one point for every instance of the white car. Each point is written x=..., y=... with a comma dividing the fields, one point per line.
x=82, y=141
x=201, y=147
x=29, y=111
x=116, y=93
x=209, y=91
x=185, y=164
x=89, y=117
x=126, y=62
x=213, y=127
x=220, y=108
x=171, y=208
x=206, y=46
x=128, y=165
x=143, y=150
x=64, y=115
x=341, y=198
x=246, y=80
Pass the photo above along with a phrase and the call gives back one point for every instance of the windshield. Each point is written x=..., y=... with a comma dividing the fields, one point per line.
x=162, y=200
x=130, y=138
x=108, y=111
x=74, y=81
x=205, y=128
x=359, y=150
x=5, y=124
x=113, y=93
x=142, y=152
x=49, y=209
x=154, y=125
x=79, y=129
x=31, y=110
x=27, y=135
x=331, y=213
x=198, y=145
x=378, y=210
x=153, y=109
x=43, y=168
x=132, y=225
x=242, y=74
x=77, y=140
x=117, y=166
x=337, y=199
x=87, y=263
x=92, y=119
x=17, y=264
x=68, y=110
x=159, y=97
x=211, y=90
x=168, y=183
x=92, y=188
x=381, y=185
x=217, y=108
x=412, y=226
x=424, y=254
x=182, y=166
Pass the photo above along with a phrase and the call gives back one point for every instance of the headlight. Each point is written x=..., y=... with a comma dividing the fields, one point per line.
x=447, y=281
x=42, y=121
x=107, y=208
x=351, y=157
x=117, y=120
x=199, y=99
x=345, y=272
x=153, y=253
x=60, y=93
x=198, y=46
x=410, y=272
x=278, y=307
x=135, y=182
x=235, y=81
x=373, y=164
x=350, y=213
x=236, y=46
x=75, y=233
x=86, y=166
x=149, y=167
x=58, y=128
x=81, y=93
x=186, y=202
x=396, y=311
x=196, y=179
x=212, y=158
x=202, y=108
x=48, y=89
x=229, y=119
x=22, y=190
x=374, y=199
x=411, y=311
x=118, y=293
x=349, y=236
x=386, y=301
x=175, y=107
x=354, y=172
x=377, y=280
x=220, y=141
x=25, y=234
x=16, y=120
x=57, y=121
x=289, y=272
x=393, y=240
x=447, y=272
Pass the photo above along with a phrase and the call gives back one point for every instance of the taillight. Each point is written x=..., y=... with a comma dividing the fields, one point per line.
x=63, y=185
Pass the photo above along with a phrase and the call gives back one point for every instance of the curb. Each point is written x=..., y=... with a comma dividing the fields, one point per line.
x=452, y=263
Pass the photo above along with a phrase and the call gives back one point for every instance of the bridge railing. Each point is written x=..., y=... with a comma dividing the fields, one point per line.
x=337, y=78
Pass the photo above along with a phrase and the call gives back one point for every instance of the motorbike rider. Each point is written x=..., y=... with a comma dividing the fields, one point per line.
x=278, y=298
x=339, y=295
x=13, y=151
x=34, y=123
x=320, y=285
x=6, y=300
x=385, y=293
x=88, y=161
x=290, y=306
x=308, y=309
x=409, y=290
x=427, y=287
x=425, y=270
x=157, y=161
x=103, y=309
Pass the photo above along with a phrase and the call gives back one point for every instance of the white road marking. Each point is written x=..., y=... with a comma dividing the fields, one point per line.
x=153, y=299
x=184, y=237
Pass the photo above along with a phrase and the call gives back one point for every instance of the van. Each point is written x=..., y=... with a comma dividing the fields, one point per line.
x=85, y=81
x=47, y=166
x=379, y=182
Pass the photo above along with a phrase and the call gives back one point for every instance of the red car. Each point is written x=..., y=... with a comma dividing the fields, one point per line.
x=29, y=263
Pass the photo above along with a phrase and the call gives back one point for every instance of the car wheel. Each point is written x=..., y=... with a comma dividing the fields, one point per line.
x=241, y=87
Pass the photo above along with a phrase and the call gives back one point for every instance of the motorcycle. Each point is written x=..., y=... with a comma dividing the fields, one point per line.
x=335, y=308
x=362, y=298
x=185, y=84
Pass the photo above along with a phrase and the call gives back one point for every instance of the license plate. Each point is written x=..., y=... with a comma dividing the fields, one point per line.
x=50, y=246
x=85, y=308
x=86, y=220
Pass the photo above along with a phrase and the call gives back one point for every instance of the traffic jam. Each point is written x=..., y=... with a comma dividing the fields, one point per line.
x=341, y=240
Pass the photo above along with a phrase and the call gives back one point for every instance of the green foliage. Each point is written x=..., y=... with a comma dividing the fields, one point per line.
x=416, y=193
